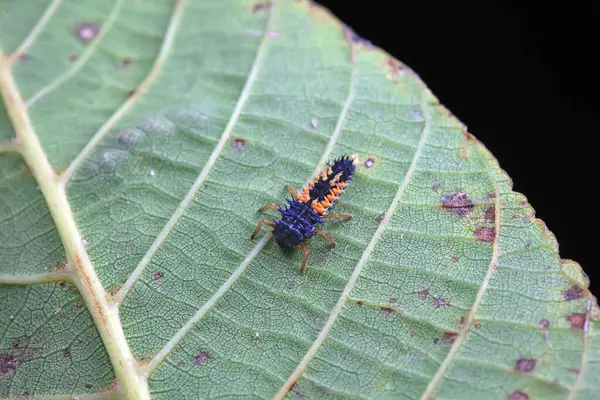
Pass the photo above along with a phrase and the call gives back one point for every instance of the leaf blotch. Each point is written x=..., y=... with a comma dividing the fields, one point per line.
x=23, y=58
x=202, y=358
x=360, y=303
x=525, y=365
x=577, y=321
x=490, y=214
x=125, y=61
x=573, y=293
x=386, y=310
x=369, y=162
x=238, y=143
x=544, y=323
x=8, y=364
x=393, y=300
x=440, y=302
x=261, y=6
x=422, y=294
x=395, y=66
x=485, y=233
x=158, y=275
x=354, y=38
x=448, y=337
x=73, y=57
x=87, y=31
x=457, y=203
x=518, y=396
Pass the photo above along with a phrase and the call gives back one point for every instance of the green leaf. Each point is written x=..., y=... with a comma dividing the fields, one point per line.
x=139, y=138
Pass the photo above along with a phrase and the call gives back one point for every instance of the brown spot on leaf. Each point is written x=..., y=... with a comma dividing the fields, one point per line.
x=544, y=323
x=125, y=61
x=461, y=323
x=477, y=325
x=395, y=66
x=16, y=343
x=261, y=6
x=525, y=365
x=485, y=233
x=435, y=187
x=61, y=284
x=393, y=300
x=67, y=353
x=490, y=214
x=202, y=358
x=23, y=58
x=448, y=338
x=381, y=216
x=87, y=31
x=574, y=371
x=369, y=162
x=422, y=294
x=158, y=275
x=573, y=293
x=8, y=364
x=454, y=258
x=439, y=302
x=457, y=203
x=353, y=37
x=360, y=303
x=577, y=321
x=491, y=195
x=238, y=143
x=518, y=396
x=386, y=310
x=131, y=93
x=78, y=304
x=73, y=57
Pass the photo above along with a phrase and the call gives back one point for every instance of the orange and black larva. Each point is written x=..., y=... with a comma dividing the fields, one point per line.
x=310, y=207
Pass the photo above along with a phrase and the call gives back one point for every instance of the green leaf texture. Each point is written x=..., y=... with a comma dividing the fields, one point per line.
x=139, y=138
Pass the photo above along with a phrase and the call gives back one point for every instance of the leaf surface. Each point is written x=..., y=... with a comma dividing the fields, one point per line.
x=139, y=138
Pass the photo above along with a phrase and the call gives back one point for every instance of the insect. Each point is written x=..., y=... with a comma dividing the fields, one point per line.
x=309, y=207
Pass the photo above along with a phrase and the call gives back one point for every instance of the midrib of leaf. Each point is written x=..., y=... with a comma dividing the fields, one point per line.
x=81, y=61
x=101, y=307
x=170, y=345
x=187, y=200
x=337, y=309
x=462, y=333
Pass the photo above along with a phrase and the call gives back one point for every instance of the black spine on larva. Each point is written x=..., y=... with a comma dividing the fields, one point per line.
x=322, y=188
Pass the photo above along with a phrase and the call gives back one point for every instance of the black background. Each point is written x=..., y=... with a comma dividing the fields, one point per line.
x=520, y=77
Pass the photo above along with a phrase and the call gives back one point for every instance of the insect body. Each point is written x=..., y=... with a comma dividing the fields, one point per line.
x=310, y=207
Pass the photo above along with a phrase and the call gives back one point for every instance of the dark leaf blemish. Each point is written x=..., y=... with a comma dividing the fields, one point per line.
x=577, y=321
x=457, y=203
x=573, y=293
x=8, y=364
x=263, y=5
x=87, y=31
x=158, y=275
x=369, y=163
x=490, y=214
x=202, y=358
x=485, y=233
x=125, y=61
x=238, y=143
x=73, y=57
x=525, y=365
x=435, y=187
x=545, y=324
x=386, y=310
x=518, y=396
x=360, y=303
